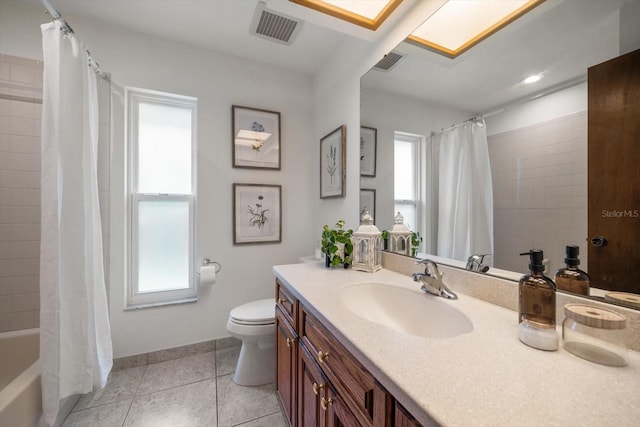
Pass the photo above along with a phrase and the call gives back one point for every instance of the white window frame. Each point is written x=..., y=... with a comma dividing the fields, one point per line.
x=420, y=186
x=134, y=298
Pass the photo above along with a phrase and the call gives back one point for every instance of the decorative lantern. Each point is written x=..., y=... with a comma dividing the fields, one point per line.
x=400, y=237
x=367, y=244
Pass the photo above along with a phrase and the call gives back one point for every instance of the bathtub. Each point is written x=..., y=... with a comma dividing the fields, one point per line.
x=20, y=391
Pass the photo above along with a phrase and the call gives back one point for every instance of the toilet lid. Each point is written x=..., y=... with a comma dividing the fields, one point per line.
x=260, y=312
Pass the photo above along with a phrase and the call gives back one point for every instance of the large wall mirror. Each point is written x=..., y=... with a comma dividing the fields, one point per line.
x=536, y=133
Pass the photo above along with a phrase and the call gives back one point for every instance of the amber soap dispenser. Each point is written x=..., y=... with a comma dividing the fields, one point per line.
x=537, y=306
x=571, y=278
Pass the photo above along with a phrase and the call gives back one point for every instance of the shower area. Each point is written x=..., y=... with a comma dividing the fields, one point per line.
x=21, y=94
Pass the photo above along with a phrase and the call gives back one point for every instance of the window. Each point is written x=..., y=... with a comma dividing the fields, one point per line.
x=161, y=180
x=407, y=179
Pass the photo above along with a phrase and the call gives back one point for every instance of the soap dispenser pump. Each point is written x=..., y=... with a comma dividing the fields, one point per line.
x=571, y=278
x=537, y=306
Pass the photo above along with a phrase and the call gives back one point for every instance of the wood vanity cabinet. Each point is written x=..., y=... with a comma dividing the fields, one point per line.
x=326, y=385
x=286, y=350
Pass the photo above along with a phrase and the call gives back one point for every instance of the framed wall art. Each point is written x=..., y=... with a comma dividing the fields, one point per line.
x=257, y=213
x=333, y=163
x=368, y=145
x=368, y=202
x=256, y=138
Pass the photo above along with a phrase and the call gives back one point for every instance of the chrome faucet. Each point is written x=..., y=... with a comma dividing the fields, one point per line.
x=432, y=280
x=475, y=263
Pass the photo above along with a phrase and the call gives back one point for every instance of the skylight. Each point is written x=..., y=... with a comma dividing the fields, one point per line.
x=369, y=14
x=460, y=24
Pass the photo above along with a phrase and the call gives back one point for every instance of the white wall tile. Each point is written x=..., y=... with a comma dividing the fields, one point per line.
x=19, y=285
x=547, y=167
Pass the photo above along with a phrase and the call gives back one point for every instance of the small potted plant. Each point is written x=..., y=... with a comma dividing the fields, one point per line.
x=336, y=245
x=416, y=239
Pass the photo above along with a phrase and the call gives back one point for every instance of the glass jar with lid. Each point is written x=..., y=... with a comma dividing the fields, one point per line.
x=596, y=334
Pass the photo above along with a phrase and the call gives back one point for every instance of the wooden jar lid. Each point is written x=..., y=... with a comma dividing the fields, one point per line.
x=625, y=298
x=595, y=317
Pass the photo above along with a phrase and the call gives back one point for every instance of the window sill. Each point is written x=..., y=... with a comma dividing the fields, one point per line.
x=133, y=307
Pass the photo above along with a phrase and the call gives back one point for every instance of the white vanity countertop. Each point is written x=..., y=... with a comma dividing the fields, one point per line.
x=487, y=377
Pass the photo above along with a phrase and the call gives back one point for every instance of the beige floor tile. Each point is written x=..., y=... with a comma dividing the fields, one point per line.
x=237, y=404
x=173, y=373
x=111, y=415
x=274, y=420
x=121, y=386
x=226, y=360
x=191, y=405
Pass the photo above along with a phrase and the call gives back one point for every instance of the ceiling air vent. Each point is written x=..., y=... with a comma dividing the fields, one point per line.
x=274, y=26
x=388, y=62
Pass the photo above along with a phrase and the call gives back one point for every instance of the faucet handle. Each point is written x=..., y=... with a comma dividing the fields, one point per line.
x=430, y=268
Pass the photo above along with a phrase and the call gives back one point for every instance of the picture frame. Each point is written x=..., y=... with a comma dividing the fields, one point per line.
x=368, y=148
x=255, y=138
x=333, y=163
x=257, y=213
x=368, y=202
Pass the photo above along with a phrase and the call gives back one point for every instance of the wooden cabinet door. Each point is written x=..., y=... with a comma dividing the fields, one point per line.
x=286, y=350
x=312, y=386
x=336, y=411
x=403, y=418
x=614, y=173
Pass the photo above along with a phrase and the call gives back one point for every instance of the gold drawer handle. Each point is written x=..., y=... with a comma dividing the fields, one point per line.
x=325, y=403
x=281, y=301
x=290, y=341
x=317, y=388
x=322, y=355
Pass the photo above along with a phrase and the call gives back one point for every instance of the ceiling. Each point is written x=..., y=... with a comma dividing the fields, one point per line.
x=560, y=39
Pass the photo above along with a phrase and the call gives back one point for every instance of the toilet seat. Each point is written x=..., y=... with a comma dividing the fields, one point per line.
x=261, y=312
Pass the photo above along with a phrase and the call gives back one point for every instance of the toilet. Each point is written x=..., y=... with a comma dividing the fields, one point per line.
x=254, y=323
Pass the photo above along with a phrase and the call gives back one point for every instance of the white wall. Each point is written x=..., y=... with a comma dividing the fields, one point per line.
x=336, y=101
x=218, y=81
x=562, y=103
x=390, y=113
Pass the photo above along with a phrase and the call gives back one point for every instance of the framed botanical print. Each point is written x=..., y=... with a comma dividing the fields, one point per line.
x=368, y=145
x=333, y=163
x=257, y=213
x=256, y=138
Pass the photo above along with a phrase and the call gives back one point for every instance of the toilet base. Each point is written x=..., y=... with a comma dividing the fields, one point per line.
x=256, y=364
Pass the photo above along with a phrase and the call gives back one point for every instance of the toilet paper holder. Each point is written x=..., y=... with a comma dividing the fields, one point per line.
x=206, y=262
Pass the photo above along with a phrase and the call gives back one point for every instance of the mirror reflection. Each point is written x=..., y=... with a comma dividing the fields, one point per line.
x=536, y=139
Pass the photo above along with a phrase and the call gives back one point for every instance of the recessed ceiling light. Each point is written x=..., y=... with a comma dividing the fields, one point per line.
x=365, y=13
x=460, y=24
x=532, y=78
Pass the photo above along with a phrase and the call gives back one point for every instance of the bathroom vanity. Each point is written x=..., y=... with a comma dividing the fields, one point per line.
x=340, y=366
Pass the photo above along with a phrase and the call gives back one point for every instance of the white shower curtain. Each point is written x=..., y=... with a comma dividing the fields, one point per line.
x=75, y=338
x=465, y=213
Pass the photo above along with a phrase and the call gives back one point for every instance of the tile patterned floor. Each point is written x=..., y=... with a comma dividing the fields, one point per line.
x=193, y=391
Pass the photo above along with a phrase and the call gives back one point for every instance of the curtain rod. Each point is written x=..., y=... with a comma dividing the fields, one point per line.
x=66, y=29
x=476, y=119
x=553, y=89
x=53, y=12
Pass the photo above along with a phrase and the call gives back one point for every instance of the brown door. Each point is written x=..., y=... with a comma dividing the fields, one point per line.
x=614, y=174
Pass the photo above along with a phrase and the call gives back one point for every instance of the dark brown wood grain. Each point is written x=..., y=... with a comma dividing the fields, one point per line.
x=286, y=355
x=351, y=380
x=614, y=173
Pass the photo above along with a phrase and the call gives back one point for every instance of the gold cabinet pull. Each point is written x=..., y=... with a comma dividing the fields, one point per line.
x=325, y=403
x=322, y=355
x=290, y=341
x=281, y=301
x=317, y=388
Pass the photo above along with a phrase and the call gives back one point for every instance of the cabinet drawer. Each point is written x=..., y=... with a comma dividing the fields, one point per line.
x=347, y=375
x=287, y=303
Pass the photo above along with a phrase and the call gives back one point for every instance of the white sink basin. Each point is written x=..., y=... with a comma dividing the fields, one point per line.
x=404, y=310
